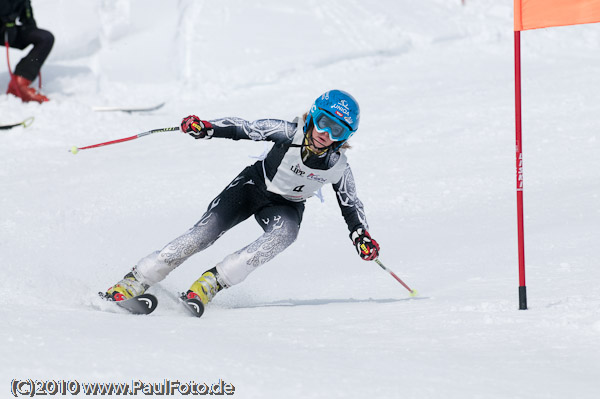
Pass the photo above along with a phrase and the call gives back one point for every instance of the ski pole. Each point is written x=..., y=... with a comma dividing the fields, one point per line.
x=26, y=123
x=413, y=293
x=75, y=149
x=7, y=57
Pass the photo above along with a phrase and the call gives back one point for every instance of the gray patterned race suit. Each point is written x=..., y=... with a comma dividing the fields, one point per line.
x=273, y=190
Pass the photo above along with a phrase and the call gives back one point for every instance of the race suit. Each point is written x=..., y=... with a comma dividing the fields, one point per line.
x=273, y=190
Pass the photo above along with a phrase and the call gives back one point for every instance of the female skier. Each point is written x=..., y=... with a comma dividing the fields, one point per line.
x=307, y=153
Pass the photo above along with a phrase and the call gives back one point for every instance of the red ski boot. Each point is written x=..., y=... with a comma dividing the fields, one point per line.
x=19, y=86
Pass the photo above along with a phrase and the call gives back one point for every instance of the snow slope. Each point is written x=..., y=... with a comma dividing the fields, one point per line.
x=434, y=163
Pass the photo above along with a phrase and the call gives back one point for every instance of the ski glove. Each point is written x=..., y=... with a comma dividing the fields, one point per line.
x=197, y=128
x=367, y=248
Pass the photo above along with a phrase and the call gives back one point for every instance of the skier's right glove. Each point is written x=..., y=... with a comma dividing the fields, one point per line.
x=367, y=247
x=197, y=128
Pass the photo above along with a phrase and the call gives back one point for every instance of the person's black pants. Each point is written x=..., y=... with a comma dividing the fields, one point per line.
x=42, y=41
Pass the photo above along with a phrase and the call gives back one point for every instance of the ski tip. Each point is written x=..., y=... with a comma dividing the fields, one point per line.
x=193, y=305
x=141, y=304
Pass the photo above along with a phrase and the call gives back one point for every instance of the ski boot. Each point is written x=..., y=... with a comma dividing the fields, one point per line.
x=19, y=86
x=202, y=292
x=127, y=288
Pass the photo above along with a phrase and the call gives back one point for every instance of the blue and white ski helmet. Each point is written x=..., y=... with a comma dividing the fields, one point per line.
x=342, y=106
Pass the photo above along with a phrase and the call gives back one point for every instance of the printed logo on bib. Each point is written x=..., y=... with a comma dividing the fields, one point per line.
x=296, y=169
x=318, y=178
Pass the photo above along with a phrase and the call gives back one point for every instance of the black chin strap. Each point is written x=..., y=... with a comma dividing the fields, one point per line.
x=308, y=141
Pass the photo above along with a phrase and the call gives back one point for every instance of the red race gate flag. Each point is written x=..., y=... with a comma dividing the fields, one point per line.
x=534, y=14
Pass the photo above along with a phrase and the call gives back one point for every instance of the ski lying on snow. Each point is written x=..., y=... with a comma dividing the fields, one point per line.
x=129, y=110
x=26, y=123
x=141, y=304
x=193, y=305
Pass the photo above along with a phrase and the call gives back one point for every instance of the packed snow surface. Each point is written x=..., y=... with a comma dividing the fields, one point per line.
x=434, y=161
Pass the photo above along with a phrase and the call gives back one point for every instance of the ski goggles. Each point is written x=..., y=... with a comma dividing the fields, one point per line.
x=324, y=122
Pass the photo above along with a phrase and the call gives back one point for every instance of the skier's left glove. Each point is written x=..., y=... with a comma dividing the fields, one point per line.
x=367, y=248
x=197, y=128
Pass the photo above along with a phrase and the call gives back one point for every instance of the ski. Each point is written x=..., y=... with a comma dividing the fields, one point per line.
x=128, y=110
x=26, y=123
x=141, y=304
x=193, y=305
